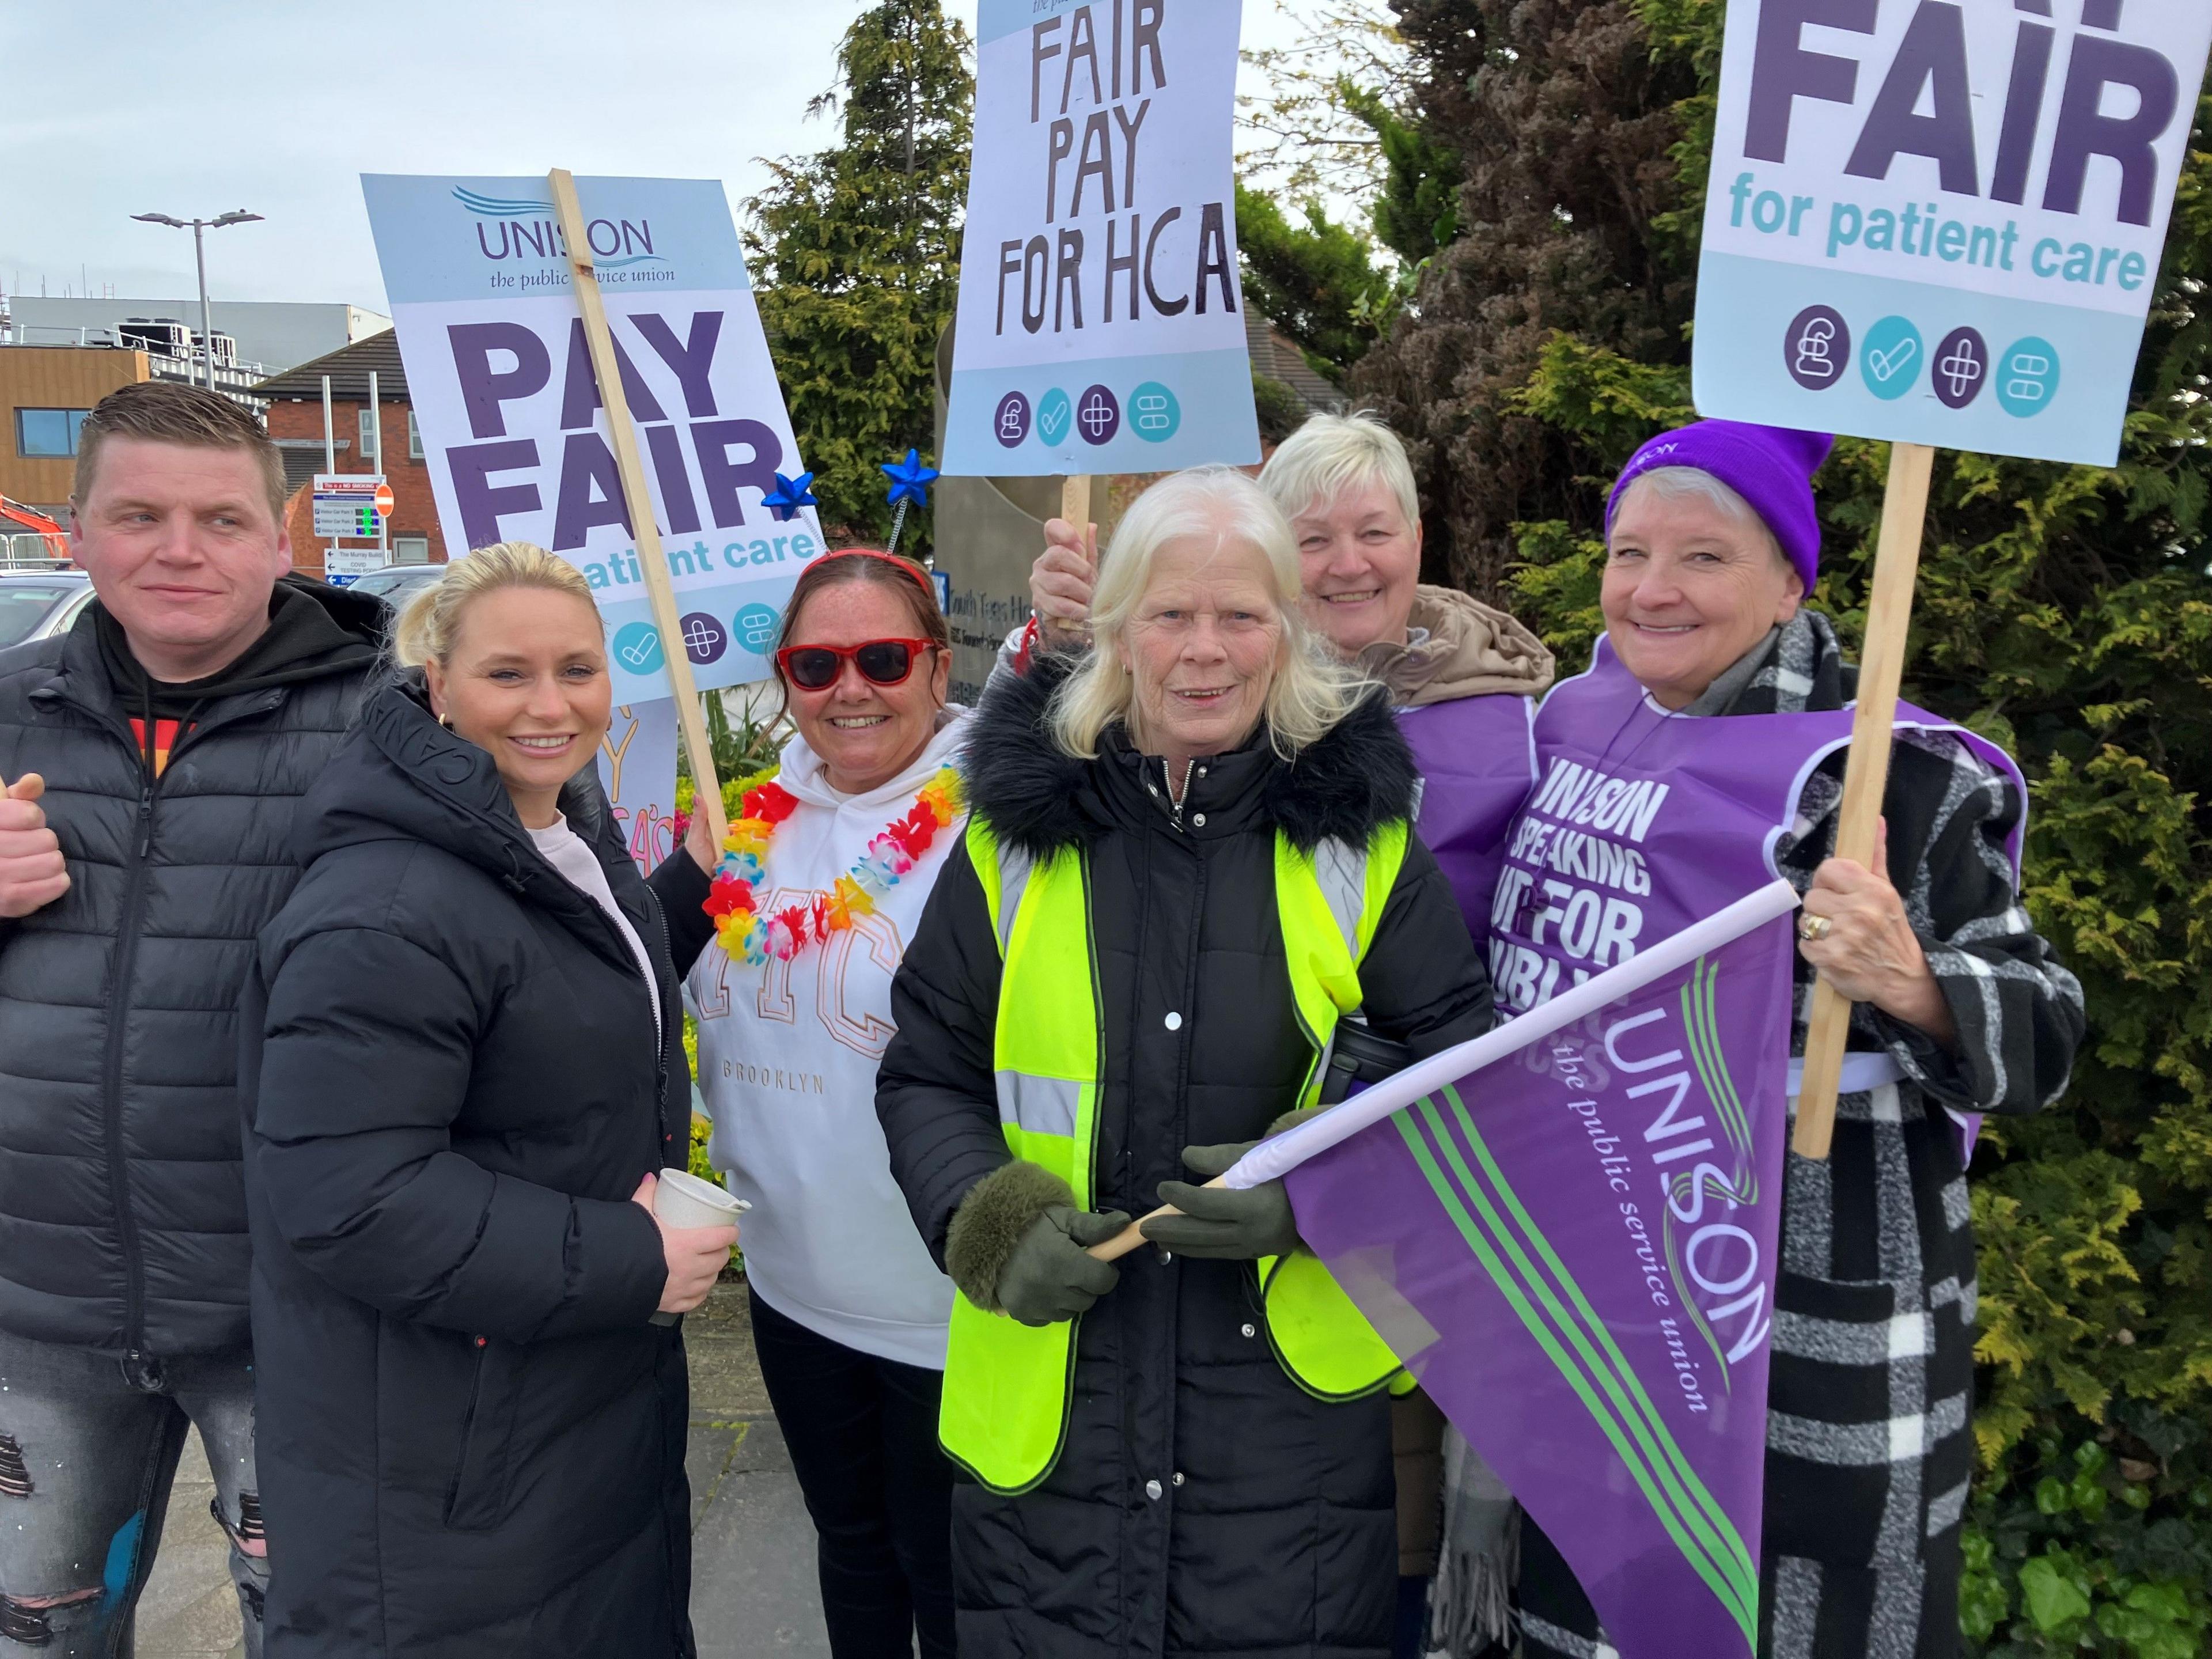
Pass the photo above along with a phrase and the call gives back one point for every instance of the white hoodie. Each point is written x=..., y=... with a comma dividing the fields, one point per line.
x=787, y=1058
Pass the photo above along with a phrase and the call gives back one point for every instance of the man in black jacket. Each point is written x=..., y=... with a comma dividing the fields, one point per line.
x=150, y=762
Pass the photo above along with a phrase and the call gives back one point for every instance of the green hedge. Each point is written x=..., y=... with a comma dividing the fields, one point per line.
x=2064, y=611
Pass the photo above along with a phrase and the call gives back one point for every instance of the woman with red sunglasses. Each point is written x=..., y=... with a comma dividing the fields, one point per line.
x=822, y=884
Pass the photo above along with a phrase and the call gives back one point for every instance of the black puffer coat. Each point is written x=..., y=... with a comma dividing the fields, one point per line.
x=470, y=1436
x=1203, y=1503
x=122, y=1225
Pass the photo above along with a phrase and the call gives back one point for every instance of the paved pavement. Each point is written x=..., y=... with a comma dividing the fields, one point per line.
x=753, y=1594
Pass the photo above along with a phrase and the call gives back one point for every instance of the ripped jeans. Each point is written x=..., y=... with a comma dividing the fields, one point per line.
x=87, y=1455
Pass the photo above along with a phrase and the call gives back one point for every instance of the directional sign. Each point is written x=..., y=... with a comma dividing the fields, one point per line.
x=343, y=565
x=350, y=506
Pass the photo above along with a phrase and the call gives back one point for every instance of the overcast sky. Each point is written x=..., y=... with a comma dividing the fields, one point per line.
x=193, y=107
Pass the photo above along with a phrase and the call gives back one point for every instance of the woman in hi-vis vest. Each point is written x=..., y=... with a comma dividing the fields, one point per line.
x=1190, y=855
x=821, y=886
x=1463, y=679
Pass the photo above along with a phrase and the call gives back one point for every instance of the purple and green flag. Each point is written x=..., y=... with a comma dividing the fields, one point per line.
x=1570, y=1238
x=1569, y=1234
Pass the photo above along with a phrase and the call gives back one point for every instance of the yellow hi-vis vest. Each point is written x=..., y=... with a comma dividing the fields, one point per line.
x=1008, y=1387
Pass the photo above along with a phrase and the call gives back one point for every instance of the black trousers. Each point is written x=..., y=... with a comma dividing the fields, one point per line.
x=863, y=1438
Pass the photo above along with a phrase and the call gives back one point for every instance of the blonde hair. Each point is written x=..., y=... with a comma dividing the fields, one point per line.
x=1311, y=691
x=426, y=627
x=1332, y=453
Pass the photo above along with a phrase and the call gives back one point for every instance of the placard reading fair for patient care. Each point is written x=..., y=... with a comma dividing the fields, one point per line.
x=1942, y=223
x=510, y=416
x=1101, y=325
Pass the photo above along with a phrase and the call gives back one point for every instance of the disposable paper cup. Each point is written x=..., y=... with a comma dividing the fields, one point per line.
x=682, y=1200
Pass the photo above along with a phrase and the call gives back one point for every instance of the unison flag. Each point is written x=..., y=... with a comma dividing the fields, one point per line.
x=1574, y=1250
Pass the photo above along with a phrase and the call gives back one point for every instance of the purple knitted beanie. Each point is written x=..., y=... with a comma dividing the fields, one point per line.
x=1770, y=466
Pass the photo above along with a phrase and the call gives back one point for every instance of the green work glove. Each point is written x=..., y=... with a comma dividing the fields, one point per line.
x=1049, y=1276
x=1219, y=1223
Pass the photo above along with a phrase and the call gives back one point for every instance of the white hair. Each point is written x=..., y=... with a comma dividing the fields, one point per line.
x=1311, y=691
x=1674, y=483
x=1331, y=454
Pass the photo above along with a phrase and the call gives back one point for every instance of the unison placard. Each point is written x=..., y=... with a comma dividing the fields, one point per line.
x=512, y=425
x=1942, y=223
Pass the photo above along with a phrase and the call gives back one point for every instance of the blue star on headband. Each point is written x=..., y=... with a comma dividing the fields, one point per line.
x=789, y=495
x=910, y=480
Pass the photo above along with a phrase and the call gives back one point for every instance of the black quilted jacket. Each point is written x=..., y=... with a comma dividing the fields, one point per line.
x=470, y=1440
x=122, y=1219
x=1203, y=1503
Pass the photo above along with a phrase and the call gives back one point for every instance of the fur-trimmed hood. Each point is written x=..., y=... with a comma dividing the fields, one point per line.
x=1345, y=786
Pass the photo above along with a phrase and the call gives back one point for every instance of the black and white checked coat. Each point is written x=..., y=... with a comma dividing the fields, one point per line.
x=1869, y=1456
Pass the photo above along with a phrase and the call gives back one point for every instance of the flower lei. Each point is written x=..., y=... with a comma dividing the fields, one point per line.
x=752, y=937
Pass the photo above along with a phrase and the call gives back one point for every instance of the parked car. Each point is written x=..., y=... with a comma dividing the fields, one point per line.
x=37, y=605
x=396, y=584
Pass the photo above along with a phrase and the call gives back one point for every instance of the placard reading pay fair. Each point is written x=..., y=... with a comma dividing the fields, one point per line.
x=1942, y=223
x=515, y=434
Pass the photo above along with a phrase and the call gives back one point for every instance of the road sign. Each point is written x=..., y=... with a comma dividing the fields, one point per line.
x=350, y=506
x=352, y=561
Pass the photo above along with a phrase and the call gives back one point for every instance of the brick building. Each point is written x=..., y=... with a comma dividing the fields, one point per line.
x=295, y=421
x=46, y=393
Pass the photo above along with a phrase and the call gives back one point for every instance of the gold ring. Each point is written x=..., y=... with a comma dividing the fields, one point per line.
x=1812, y=929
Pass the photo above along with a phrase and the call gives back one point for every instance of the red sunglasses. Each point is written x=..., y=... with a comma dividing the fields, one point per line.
x=881, y=662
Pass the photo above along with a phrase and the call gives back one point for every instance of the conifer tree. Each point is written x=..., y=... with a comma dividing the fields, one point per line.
x=2064, y=611
x=856, y=251
x=1314, y=279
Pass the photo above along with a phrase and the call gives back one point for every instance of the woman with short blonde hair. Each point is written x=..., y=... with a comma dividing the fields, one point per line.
x=1334, y=455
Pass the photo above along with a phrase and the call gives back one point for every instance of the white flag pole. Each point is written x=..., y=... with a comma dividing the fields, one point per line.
x=1278, y=1155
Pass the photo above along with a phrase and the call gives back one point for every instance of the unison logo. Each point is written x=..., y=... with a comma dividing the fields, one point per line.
x=527, y=230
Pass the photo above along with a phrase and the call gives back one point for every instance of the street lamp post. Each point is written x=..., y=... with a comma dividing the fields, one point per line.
x=199, y=229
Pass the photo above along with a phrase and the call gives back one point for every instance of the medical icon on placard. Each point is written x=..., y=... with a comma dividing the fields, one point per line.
x=1099, y=415
x=1154, y=412
x=1890, y=362
x=2027, y=377
x=1817, y=348
x=1054, y=410
x=705, y=639
x=756, y=627
x=637, y=648
x=1961, y=368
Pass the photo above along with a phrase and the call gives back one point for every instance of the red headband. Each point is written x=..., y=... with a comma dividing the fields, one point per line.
x=891, y=559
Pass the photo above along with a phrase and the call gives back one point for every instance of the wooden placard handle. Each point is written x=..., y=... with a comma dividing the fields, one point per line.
x=637, y=501
x=1133, y=1235
x=1075, y=502
x=1882, y=669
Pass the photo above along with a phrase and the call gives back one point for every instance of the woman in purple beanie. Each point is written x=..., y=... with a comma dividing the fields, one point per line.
x=1712, y=545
